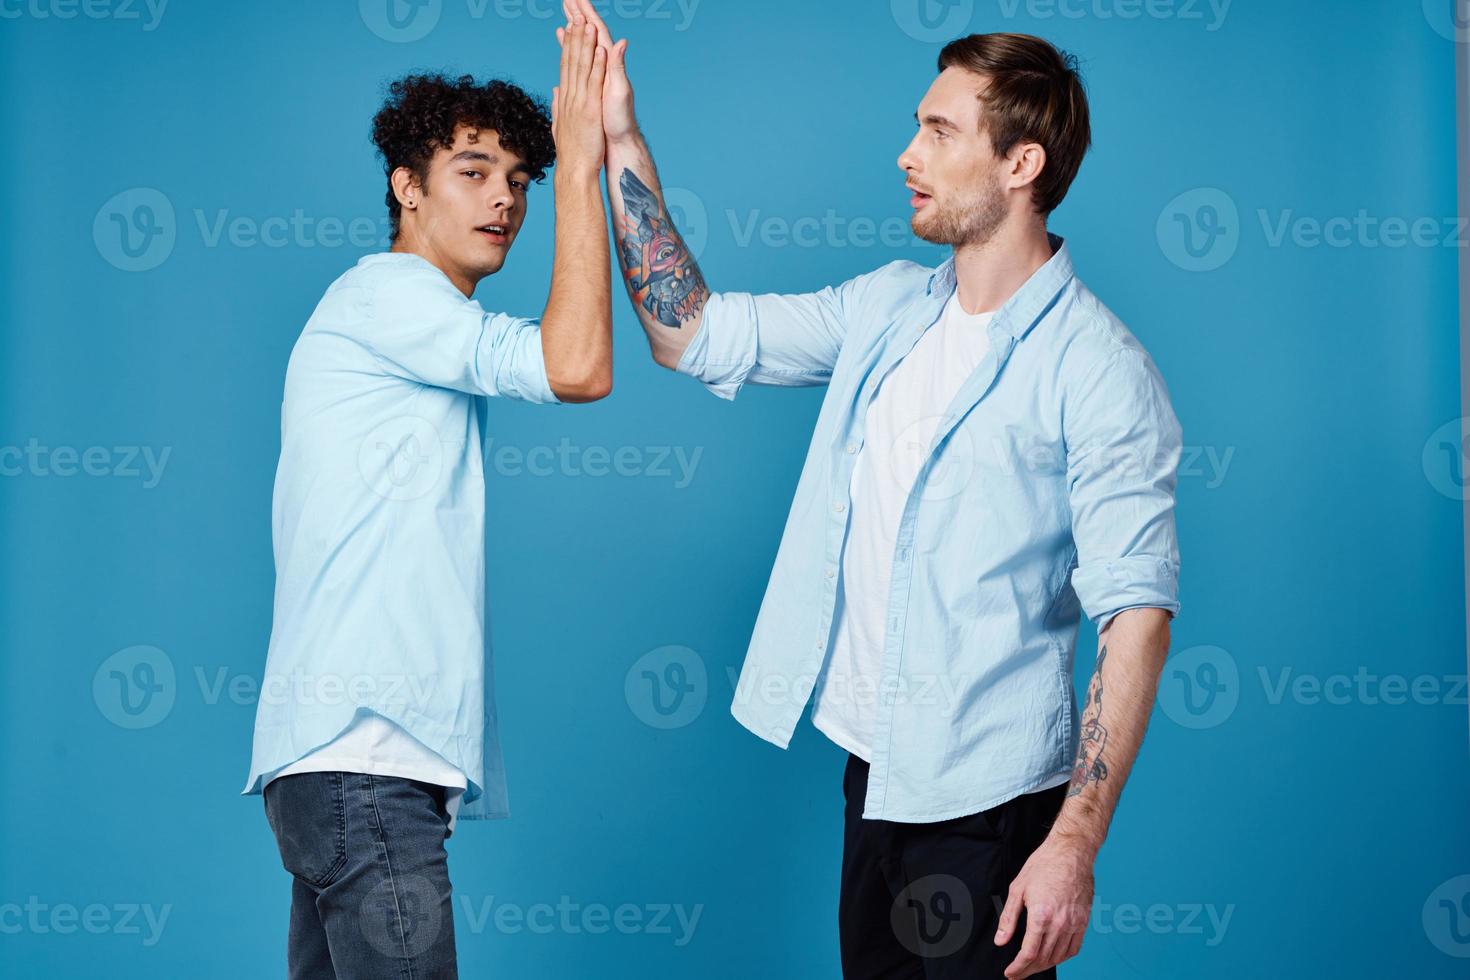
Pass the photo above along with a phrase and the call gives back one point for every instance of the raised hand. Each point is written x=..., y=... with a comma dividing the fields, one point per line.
x=576, y=103
x=618, y=120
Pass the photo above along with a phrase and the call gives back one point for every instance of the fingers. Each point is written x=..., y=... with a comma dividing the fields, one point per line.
x=577, y=66
x=1026, y=961
x=617, y=61
x=1008, y=916
x=566, y=57
x=555, y=93
x=589, y=62
x=599, y=68
x=588, y=12
x=1057, y=935
x=574, y=57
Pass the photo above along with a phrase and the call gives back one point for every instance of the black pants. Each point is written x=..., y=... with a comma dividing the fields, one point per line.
x=924, y=900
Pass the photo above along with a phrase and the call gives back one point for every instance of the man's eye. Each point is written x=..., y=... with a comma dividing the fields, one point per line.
x=518, y=185
x=470, y=173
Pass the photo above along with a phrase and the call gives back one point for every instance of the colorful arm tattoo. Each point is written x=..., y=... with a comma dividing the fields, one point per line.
x=662, y=277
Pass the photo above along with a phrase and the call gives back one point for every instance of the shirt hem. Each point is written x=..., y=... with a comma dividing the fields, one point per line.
x=778, y=739
x=970, y=809
x=846, y=742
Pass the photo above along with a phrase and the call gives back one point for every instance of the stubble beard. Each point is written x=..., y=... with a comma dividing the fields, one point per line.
x=973, y=221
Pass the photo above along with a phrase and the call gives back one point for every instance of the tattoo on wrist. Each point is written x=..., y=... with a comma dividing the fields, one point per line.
x=1090, y=767
x=661, y=275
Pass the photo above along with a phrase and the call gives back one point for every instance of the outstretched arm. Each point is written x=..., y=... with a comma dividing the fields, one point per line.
x=726, y=339
x=663, y=280
x=576, y=327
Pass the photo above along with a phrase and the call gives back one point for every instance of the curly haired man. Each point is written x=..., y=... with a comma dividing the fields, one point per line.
x=375, y=728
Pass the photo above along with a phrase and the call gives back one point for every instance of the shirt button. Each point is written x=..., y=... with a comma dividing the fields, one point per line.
x=830, y=573
x=851, y=448
x=839, y=507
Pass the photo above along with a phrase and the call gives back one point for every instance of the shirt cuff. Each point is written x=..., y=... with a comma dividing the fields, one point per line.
x=537, y=388
x=1108, y=586
x=721, y=353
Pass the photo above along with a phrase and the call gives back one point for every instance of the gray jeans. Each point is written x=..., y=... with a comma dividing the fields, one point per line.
x=370, y=892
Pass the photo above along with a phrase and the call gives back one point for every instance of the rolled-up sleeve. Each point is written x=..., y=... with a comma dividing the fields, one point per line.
x=768, y=339
x=1123, y=446
x=424, y=329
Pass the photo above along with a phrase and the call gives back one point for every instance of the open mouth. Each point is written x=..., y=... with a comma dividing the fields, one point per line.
x=918, y=198
x=497, y=234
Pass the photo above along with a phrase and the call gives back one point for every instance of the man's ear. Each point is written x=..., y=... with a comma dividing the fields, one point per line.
x=406, y=187
x=1026, y=161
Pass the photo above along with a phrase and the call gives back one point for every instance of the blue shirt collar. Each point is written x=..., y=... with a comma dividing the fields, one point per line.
x=1026, y=306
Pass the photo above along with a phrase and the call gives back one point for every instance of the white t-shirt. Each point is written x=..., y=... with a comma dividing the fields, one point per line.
x=900, y=423
x=373, y=744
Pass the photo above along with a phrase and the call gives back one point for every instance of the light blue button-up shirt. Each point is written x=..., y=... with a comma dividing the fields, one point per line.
x=378, y=520
x=1048, y=491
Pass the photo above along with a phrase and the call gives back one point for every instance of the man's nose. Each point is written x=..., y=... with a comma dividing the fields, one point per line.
x=908, y=160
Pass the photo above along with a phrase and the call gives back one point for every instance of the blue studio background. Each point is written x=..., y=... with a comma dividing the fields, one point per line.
x=1300, y=803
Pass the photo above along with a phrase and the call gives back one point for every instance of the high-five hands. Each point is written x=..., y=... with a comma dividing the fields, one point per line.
x=576, y=103
x=618, y=121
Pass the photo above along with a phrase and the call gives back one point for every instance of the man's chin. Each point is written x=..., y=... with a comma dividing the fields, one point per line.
x=490, y=262
x=929, y=231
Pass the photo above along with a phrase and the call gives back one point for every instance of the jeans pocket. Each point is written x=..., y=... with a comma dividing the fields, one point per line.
x=306, y=811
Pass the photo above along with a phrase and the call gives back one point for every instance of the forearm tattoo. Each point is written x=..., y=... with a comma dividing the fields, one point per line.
x=662, y=277
x=1090, y=767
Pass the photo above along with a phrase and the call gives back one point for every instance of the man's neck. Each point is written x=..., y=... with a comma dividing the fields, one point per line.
x=406, y=243
x=988, y=274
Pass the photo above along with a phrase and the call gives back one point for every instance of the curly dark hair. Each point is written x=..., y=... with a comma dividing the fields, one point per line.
x=422, y=111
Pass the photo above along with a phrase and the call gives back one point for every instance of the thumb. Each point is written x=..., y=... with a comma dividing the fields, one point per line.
x=619, y=51
x=1008, y=916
